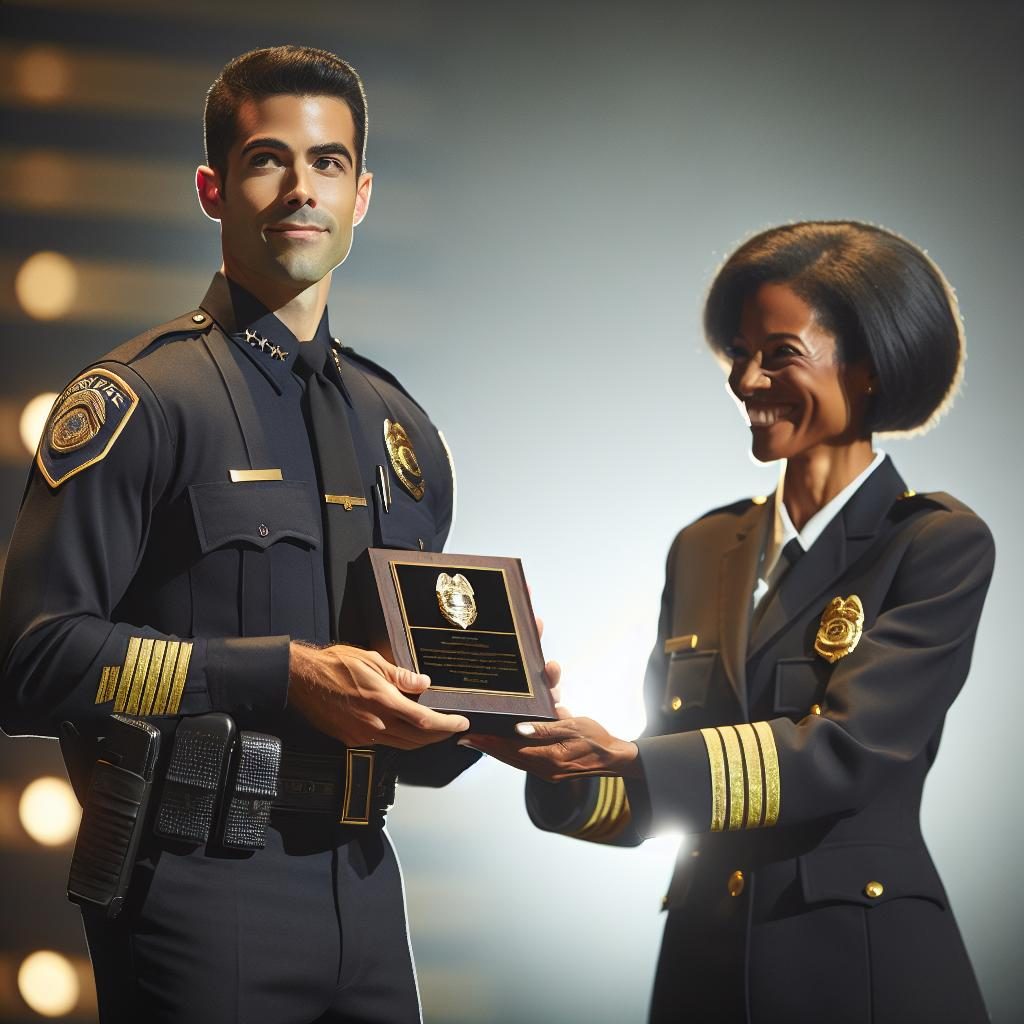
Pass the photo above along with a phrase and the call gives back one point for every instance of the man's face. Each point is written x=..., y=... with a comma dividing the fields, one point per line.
x=293, y=193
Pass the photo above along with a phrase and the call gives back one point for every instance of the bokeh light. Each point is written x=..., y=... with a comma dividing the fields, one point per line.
x=48, y=983
x=33, y=419
x=42, y=74
x=49, y=811
x=46, y=285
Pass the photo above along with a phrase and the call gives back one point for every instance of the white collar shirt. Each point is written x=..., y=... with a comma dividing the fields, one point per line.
x=783, y=530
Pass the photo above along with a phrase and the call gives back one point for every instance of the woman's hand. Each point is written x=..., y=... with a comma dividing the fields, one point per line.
x=566, y=749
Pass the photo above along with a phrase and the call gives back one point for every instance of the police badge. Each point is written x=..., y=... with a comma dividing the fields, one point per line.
x=403, y=459
x=840, y=629
x=455, y=599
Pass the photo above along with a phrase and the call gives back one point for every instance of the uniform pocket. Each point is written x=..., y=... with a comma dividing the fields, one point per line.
x=869, y=875
x=796, y=685
x=689, y=676
x=258, y=513
x=260, y=545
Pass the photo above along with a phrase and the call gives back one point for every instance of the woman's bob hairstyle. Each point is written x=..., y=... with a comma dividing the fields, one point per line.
x=882, y=298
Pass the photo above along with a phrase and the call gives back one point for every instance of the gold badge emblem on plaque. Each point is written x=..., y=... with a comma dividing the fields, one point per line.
x=78, y=420
x=455, y=599
x=403, y=460
x=840, y=630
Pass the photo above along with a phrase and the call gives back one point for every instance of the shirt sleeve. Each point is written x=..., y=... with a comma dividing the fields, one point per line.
x=103, y=468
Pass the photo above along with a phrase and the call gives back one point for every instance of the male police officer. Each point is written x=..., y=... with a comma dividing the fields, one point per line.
x=182, y=550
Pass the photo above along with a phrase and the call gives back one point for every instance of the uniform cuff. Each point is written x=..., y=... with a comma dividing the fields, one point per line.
x=678, y=779
x=248, y=673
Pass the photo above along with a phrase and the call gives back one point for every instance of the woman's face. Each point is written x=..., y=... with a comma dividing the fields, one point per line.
x=796, y=394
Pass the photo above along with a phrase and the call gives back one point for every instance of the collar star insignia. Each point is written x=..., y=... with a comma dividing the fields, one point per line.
x=255, y=340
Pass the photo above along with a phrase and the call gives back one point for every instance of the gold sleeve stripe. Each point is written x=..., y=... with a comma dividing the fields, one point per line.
x=611, y=812
x=108, y=683
x=139, y=680
x=178, y=682
x=717, y=762
x=163, y=688
x=127, y=671
x=734, y=761
x=152, y=679
x=772, y=776
x=597, y=814
x=752, y=761
x=613, y=822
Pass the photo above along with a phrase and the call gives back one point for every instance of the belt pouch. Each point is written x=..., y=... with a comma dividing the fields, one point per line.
x=114, y=814
x=195, y=777
x=251, y=792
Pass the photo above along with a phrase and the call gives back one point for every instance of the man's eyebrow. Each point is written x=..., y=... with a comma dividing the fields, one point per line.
x=329, y=148
x=265, y=142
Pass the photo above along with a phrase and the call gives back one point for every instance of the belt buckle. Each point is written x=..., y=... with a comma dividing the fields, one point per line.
x=356, y=803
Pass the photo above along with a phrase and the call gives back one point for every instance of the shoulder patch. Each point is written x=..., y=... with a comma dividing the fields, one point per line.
x=85, y=421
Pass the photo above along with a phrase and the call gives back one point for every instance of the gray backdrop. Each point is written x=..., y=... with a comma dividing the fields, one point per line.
x=556, y=184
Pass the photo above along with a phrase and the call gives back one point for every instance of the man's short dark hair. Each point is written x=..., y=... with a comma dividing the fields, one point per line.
x=882, y=298
x=278, y=71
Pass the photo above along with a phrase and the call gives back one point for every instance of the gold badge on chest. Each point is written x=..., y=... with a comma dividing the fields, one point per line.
x=403, y=459
x=456, y=600
x=840, y=629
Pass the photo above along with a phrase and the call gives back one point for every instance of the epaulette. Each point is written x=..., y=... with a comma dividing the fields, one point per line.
x=910, y=502
x=737, y=508
x=190, y=324
x=351, y=353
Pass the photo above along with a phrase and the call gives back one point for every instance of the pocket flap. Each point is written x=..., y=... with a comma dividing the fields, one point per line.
x=260, y=513
x=869, y=875
x=689, y=675
x=796, y=685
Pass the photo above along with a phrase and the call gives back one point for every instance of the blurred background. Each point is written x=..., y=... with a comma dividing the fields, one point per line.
x=555, y=186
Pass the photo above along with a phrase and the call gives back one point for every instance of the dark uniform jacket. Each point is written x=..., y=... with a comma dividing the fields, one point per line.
x=798, y=755
x=146, y=575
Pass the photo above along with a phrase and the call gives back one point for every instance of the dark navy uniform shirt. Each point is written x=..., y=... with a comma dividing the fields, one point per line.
x=171, y=540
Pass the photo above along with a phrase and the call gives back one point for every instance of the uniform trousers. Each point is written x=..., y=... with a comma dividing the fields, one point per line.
x=310, y=929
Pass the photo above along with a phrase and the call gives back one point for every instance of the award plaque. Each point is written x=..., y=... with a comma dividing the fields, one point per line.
x=464, y=620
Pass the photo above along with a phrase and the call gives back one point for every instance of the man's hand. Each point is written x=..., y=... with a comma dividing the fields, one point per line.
x=566, y=749
x=359, y=698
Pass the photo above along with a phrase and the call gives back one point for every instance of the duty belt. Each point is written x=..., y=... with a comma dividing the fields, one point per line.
x=355, y=786
x=222, y=785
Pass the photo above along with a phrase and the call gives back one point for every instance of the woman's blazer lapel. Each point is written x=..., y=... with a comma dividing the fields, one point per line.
x=845, y=539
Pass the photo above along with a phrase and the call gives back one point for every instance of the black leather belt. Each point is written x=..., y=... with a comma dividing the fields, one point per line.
x=356, y=787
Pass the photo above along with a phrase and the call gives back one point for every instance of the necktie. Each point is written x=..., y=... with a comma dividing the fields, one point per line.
x=791, y=553
x=348, y=528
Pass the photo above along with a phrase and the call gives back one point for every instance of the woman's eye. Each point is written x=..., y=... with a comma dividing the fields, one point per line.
x=735, y=352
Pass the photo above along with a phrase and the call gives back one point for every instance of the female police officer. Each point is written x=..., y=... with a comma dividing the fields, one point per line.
x=809, y=647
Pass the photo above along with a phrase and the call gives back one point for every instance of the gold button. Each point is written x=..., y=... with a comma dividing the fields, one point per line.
x=736, y=883
x=815, y=709
x=908, y=494
x=677, y=703
x=664, y=902
x=263, y=531
x=198, y=318
x=759, y=499
x=874, y=890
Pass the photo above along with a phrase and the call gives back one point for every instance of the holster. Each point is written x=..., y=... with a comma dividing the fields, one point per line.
x=114, y=814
